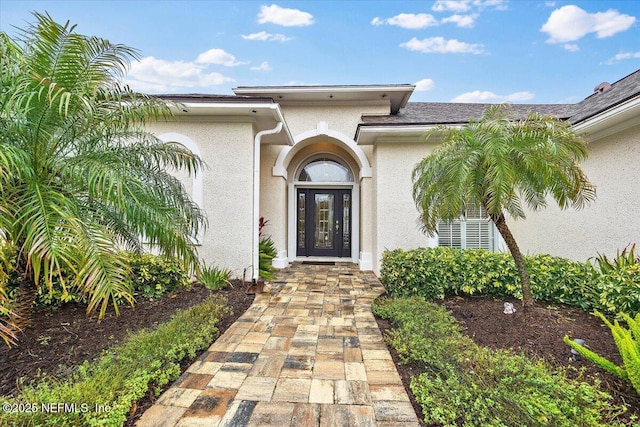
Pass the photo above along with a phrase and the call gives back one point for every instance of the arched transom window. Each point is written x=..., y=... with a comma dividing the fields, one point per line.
x=325, y=170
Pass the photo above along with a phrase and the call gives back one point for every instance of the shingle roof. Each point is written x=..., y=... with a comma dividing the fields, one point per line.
x=435, y=113
x=622, y=90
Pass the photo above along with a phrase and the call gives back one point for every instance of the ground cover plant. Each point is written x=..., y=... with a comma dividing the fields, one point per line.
x=460, y=383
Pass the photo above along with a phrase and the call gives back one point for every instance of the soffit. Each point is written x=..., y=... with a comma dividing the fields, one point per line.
x=396, y=96
x=263, y=113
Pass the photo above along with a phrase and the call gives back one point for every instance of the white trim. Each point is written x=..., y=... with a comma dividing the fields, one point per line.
x=613, y=120
x=256, y=195
x=305, y=139
x=366, y=261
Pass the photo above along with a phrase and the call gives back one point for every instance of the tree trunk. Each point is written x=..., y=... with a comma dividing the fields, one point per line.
x=22, y=305
x=501, y=225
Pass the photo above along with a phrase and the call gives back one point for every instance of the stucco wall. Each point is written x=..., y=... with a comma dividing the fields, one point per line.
x=341, y=118
x=227, y=149
x=273, y=197
x=396, y=216
x=608, y=224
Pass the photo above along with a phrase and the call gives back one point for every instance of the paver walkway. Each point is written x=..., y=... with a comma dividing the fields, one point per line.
x=307, y=353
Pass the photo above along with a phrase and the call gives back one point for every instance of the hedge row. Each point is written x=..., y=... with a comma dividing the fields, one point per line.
x=434, y=273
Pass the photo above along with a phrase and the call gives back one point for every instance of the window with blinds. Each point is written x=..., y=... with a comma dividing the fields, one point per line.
x=474, y=229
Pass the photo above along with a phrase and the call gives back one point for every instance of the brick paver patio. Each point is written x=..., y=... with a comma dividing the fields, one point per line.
x=307, y=353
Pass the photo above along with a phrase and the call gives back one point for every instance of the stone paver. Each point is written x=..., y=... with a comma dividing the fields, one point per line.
x=307, y=353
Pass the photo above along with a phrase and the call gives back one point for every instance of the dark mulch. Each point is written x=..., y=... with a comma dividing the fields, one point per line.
x=537, y=333
x=60, y=339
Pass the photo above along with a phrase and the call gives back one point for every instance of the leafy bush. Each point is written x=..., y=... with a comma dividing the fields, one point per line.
x=463, y=384
x=152, y=275
x=433, y=273
x=628, y=342
x=267, y=252
x=620, y=262
x=213, y=277
x=145, y=362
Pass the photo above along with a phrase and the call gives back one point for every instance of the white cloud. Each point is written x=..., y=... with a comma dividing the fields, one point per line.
x=571, y=47
x=466, y=5
x=262, y=67
x=622, y=56
x=267, y=37
x=275, y=14
x=157, y=75
x=464, y=21
x=550, y=3
x=452, y=5
x=570, y=23
x=478, y=96
x=424, y=85
x=410, y=21
x=219, y=57
x=441, y=45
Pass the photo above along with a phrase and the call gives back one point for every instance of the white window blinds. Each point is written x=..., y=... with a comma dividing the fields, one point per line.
x=474, y=229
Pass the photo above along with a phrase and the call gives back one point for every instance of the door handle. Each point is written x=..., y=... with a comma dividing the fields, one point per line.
x=337, y=226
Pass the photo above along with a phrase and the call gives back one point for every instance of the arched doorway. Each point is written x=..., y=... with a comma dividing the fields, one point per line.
x=324, y=199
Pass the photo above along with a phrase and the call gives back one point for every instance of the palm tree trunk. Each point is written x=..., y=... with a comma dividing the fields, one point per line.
x=23, y=305
x=501, y=225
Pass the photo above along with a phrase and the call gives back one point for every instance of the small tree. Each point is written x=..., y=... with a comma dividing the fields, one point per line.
x=501, y=165
x=80, y=176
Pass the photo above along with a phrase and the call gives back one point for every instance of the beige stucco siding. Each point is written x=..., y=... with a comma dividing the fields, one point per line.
x=340, y=118
x=227, y=149
x=608, y=224
x=395, y=212
x=273, y=197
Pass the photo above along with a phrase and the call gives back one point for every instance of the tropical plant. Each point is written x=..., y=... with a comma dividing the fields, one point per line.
x=501, y=165
x=628, y=343
x=80, y=176
x=622, y=260
x=213, y=277
x=266, y=252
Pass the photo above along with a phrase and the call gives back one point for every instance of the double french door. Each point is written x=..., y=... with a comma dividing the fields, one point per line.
x=323, y=222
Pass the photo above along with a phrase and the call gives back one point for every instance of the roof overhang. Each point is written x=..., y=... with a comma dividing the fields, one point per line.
x=374, y=134
x=611, y=121
x=264, y=115
x=394, y=95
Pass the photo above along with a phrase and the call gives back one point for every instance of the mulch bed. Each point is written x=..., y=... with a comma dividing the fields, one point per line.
x=60, y=339
x=537, y=333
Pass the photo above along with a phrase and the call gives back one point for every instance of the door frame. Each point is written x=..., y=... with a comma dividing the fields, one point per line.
x=292, y=216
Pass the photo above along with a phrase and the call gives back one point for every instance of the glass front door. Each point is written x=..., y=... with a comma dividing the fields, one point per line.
x=324, y=222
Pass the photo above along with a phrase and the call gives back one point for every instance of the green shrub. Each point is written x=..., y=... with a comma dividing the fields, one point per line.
x=463, y=384
x=267, y=252
x=213, y=277
x=628, y=343
x=153, y=275
x=145, y=362
x=433, y=273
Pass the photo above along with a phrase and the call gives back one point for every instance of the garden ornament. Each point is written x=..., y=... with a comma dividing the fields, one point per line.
x=509, y=308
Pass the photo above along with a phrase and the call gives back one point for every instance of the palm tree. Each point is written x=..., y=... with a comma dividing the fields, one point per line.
x=501, y=165
x=80, y=177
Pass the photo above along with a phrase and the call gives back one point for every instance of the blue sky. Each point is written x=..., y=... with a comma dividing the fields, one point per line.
x=466, y=51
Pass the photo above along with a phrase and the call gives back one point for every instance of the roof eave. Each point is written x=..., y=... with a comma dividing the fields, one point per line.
x=613, y=120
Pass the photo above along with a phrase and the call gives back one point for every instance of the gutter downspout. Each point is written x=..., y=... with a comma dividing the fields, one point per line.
x=256, y=194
